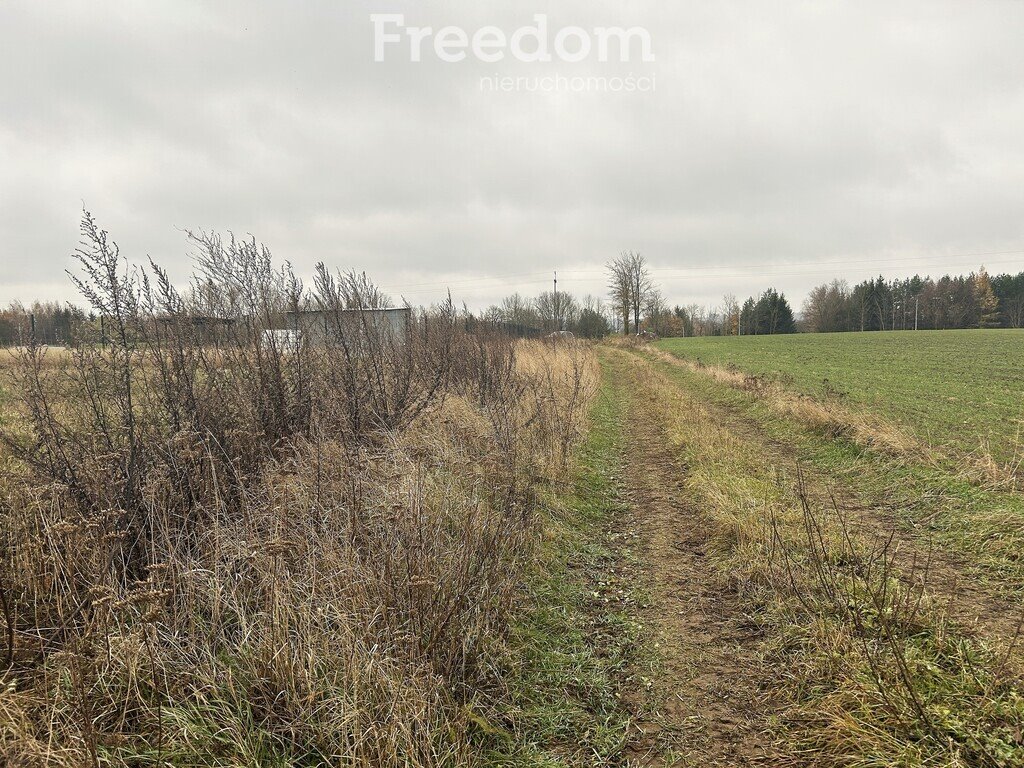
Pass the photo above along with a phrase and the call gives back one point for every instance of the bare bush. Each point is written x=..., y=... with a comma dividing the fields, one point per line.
x=892, y=650
x=223, y=545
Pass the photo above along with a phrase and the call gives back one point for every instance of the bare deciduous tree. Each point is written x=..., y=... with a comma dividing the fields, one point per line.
x=619, y=288
x=731, y=315
x=557, y=310
x=629, y=286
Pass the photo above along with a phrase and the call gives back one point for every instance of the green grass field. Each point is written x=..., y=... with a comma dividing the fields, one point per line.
x=955, y=388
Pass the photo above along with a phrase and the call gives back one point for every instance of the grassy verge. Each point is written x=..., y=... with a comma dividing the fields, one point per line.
x=576, y=650
x=932, y=500
x=873, y=671
x=959, y=388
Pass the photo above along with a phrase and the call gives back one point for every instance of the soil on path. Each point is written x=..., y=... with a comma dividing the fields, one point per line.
x=711, y=700
x=948, y=577
x=714, y=698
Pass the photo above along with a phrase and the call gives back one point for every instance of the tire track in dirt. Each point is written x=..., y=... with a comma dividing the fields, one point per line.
x=947, y=575
x=712, y=706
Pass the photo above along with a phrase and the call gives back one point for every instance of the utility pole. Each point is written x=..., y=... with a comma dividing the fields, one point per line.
x=554, y=305
x=917, y=299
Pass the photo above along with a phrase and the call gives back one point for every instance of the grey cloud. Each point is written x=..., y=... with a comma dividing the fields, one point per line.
x=780, y=137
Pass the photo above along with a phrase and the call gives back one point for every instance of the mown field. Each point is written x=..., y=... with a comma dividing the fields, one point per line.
x=963, y=389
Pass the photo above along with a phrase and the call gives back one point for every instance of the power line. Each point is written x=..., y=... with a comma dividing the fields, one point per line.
x=466, y=280
x=687, y=271
x=741, y=273
x=699, y=272
x=930, y=259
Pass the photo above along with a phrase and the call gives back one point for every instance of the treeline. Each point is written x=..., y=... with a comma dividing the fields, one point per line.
x=636, y=305
x=963, y=301
x=51, y=322
x=550, y=312
x=976, y=300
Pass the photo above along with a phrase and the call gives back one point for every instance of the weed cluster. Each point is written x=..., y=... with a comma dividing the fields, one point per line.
x=897, y=658
x=223, y=541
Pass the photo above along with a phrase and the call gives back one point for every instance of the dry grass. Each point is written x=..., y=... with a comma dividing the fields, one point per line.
x=829, y=416
x=952, y=389
x=270, y=557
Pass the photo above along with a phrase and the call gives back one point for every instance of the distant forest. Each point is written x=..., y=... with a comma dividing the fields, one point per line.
x=963, y=301
x=636, y=304
x=972, y=301
x=52, y=321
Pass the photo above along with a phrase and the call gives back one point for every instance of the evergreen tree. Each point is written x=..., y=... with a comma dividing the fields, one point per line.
x=747, y=324
x=770, y=313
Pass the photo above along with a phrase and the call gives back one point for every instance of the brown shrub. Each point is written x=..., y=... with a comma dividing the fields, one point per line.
x=232, y=550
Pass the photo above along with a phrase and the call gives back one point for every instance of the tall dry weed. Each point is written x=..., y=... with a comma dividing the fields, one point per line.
x=219, y=548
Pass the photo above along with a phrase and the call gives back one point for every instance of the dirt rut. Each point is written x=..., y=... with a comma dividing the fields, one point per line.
x=710, y=706
x=947, y=576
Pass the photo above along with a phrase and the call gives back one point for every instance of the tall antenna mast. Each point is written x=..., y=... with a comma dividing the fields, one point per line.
x=558, y=318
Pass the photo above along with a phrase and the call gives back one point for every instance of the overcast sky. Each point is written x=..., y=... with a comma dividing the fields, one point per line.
x=783, y=143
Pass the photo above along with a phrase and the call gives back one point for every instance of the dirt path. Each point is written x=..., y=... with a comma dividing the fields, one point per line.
x=715, y=701
x=711, y=703
x=947, y=575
